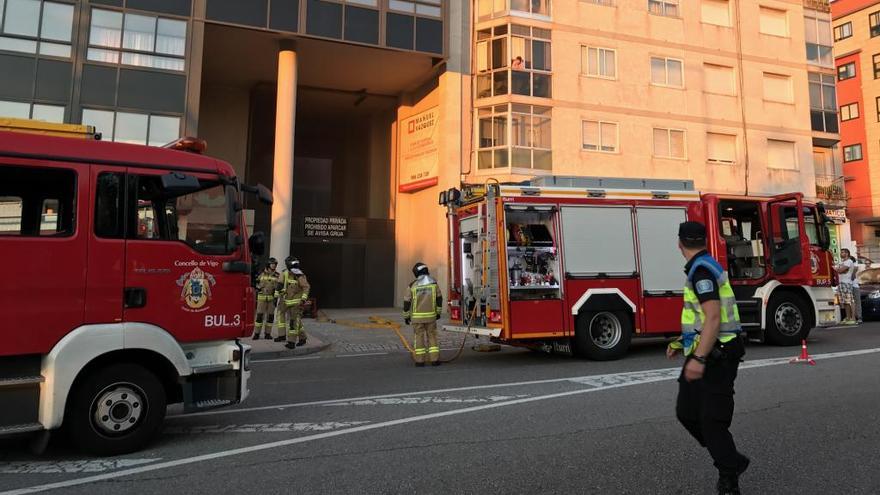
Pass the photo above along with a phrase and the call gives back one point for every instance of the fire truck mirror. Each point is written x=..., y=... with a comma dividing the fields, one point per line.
x=233, y=207
x=264, y=194
x=257, y=243
x=233, y=240
x=179, y=183
x=442, y=199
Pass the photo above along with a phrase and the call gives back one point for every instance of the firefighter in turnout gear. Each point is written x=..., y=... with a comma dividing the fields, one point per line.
x=422, y=306
x=267, y=282
x=713, y=348
x=293, y=292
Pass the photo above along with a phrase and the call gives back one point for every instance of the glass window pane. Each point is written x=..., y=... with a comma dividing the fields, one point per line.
x=428, y=10
x=102, y=120
x=610, y=63
x=138, y=59
x=658, y=71
x=520, y=82
x=829, y=98
x=675, y=73
x=499, y=53
x=14, y=109
x=541, y=132
x=484, y=133
x=54, y=49
x=48, y=113
x=499, y=130
x=609, y=137
x=130, y=128
x=99, y=55
x=106, y=29
x=543, y=159
x=810, y=35
x=171, y=37
x=541, y=55
x=591, y=135
x=815, y=95
x=541, y=83
x=825, y=33
x=520, y=5
x=520, y=126
x=677, y=144
x=22, y=17
x=140, y=33
x=522, y=158
x=501, y=158
x=168, y=63
x=484, y=160
x=661, y=142
x=163, y=130
x=592, y=61
x=57, y=21
x=401, y=6
x=18, y=45
x=500, y=82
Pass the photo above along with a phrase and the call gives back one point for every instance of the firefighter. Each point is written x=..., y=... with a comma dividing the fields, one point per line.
x=293, y=292
x=422, y=306
x=266, y=284
x=712, y=346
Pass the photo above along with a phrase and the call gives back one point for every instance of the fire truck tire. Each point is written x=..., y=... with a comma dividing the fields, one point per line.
x=603, y=335
x=115, y=410
x=787, y=319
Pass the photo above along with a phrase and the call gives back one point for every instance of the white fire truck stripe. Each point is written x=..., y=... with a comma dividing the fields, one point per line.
x=651, y=376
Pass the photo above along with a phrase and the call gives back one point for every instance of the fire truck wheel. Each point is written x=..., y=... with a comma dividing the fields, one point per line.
x=787, y=321
x=603, y=335
x=115, y=410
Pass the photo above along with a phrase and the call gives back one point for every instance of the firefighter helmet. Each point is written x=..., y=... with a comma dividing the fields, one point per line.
x=291, y=263
x=272, y=261
x=420, y=269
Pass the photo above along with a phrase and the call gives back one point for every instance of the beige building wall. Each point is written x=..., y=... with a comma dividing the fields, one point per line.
x=638, y=106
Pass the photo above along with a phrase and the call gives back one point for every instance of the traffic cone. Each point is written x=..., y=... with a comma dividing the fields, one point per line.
x=804, y=357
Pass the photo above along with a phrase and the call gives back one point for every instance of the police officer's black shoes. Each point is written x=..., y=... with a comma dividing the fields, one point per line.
x=420, y=365
x=280, y=339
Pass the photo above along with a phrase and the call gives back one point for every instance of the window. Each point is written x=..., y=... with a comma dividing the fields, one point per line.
x=667, y=72
x=817, y=30
x=36, y=111
x=669, y=143
x=135, y=39
x=846, y=71
x=513, y=59
x=773, y=22
x=33, y=26
x=852, y=153
x=849, y=112
x=823, y=103
x=781, y=154
x=487, y=9
x=109, y=208
x=430, y=8
x=720, y=148
x=718, y=79
x=599, y=62
x=37, y=201
x=777, y=87
x=843, y=31
x=876, y=61
x=600, y=136
x=607, y=3
x=197, y=218
x=716, y=12
x=666, y=8
x=135, y=128
x=527, y=130
x=874, y=21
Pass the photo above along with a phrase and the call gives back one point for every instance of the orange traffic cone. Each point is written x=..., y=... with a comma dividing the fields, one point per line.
x=804, y=357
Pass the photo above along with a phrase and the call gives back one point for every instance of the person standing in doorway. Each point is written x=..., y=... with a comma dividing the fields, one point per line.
x=713, y=348
x=422, y=306
x=293, y=291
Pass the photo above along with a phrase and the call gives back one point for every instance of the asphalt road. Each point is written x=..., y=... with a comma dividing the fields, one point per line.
x=506, y=422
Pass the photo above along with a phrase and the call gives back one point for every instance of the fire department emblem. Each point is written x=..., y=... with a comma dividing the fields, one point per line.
x=814, y=263
x=196, y=289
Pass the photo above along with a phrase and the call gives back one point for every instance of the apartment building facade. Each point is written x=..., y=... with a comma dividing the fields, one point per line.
x=857, y=59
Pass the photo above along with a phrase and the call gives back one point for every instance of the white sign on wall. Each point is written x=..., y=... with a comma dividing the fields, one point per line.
x=419, y=151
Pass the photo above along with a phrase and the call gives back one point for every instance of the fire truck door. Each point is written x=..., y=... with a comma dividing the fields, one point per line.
x=175, y=273
x=106, y=266
x=789, y=245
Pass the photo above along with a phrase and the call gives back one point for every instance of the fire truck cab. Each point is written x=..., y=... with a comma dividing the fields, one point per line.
x=126, y=286
x=588, y=263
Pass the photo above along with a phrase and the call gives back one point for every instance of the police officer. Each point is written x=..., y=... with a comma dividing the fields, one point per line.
x=265, y=314
x=293, y=291
x=422, y=306
x=711, y=343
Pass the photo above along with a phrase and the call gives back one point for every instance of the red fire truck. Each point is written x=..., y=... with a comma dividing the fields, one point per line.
x=592, y=262
x=125, y=286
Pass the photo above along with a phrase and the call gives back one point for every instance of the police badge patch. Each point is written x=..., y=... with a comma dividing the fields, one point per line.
x=704, y=286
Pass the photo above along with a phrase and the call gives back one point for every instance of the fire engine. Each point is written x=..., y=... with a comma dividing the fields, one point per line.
x=126, y=286
x=585, y=264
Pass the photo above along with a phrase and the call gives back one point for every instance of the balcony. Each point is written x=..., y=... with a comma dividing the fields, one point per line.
x=819, y=5
x=830, y=189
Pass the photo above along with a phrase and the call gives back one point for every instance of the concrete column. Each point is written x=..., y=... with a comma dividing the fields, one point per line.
x=282, y=176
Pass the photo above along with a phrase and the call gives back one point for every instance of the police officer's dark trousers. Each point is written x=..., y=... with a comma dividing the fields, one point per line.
x=705, y=406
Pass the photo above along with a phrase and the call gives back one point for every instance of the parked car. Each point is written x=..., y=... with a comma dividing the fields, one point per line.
x=869, y=286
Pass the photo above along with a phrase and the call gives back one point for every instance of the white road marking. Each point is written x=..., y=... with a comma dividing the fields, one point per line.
x=84, y=466
x=305, y=358
x=362, y=354
x=409, y=401
x=576, y=379
x=658, y=376
x=262, y=427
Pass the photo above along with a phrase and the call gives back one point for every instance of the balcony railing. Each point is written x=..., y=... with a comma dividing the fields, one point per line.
x=820, y=5
x=830, y=188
